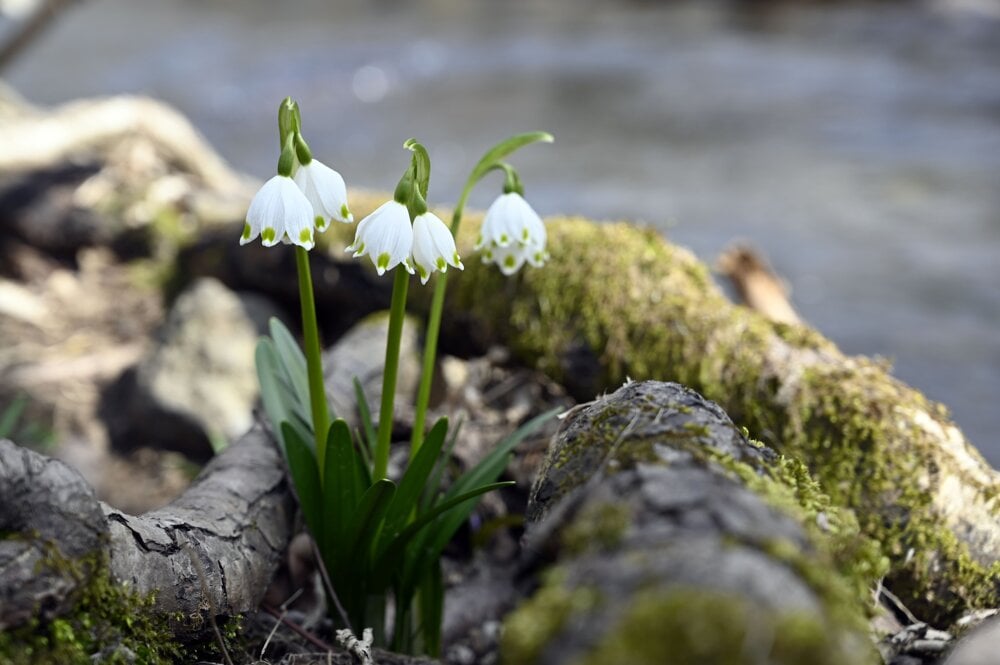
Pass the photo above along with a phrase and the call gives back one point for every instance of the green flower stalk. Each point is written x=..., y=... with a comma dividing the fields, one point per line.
x=301, y=199
x=515, y=234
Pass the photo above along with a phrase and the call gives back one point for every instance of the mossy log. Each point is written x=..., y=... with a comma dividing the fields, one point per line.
x=619, y=301
x=675, y=539
x=209, y=553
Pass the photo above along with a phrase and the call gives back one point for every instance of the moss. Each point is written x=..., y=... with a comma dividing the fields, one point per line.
x=693, y=627
x=106, y=619
x=532, y=625
x=597, y=525
x=617, y=302
x=787, y=485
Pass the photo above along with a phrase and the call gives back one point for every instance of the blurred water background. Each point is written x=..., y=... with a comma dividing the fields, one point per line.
x=858, y=146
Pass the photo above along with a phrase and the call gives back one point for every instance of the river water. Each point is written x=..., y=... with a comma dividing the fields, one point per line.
x=858, y=147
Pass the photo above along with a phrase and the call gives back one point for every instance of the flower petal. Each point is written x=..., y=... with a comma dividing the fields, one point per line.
x=277, y=205
x=386, y=236
x=326, y=191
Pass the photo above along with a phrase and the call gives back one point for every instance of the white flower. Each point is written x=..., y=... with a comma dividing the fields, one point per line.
x=326, y=191
x=279, y=209
x=512, y=234
x=433, y=246
x=510, y=219
x=386, y=236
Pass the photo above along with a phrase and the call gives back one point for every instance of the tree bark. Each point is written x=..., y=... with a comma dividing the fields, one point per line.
x=661, y=534
x=212, y=551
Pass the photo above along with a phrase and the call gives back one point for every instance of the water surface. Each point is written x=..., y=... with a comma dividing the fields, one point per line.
x=858, y=147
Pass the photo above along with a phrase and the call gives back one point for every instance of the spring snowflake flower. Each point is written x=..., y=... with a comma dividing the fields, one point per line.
x=279, y=210
x=326, y=191
x=433, y=246
x=512, y=234
x=386, y=236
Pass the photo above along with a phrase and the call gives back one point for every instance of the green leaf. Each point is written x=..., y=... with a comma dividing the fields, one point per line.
x=433, y=486
x=365, y=412
x=272, y=393
x=341, y=488
x=291, y=359
x=404, y=504
x=305, y=476
x=491, y=466
x=431, y=543
x=506, y=147
x=391, y=553
x=366, y=523
x=431, y=598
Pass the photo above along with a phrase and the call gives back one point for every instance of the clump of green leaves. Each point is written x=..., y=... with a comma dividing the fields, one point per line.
x=375, y=536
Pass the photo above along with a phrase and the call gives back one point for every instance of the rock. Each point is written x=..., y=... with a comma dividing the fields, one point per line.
x=360, y=354
x=979, y=647
x=675, y=539
x=197, y=387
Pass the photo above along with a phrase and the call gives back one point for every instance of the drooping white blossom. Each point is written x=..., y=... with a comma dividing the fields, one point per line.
x=386, y=236
x=512, y=234
x=433, y=246
x=279, y=210
x=326, y=191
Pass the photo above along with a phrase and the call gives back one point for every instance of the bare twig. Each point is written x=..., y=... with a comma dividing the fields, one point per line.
x=301, y=632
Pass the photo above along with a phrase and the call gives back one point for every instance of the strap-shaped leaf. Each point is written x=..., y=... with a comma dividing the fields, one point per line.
x=292, y=359
x=366, y=524
x=404, y=504
x=370, y=436
x=341, y=489
x=431, y=599
x=491, y=466
x=433, y=486
x=305, y=476
x=391, y=555
x=506, y=147
x=272, y=393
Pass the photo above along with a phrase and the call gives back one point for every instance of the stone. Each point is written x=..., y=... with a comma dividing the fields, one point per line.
x=195, y=390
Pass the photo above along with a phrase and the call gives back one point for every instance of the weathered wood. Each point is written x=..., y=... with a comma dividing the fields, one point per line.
x=661, y=534
x=42, y=502
x=617, y=301
x=211, y=551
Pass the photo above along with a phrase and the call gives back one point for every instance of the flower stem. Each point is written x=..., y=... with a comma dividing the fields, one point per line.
x=314, y=367
x=431, y=334
x=397, y=312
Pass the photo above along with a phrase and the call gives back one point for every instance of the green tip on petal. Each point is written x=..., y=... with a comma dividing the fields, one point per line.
x=524, y=235
x=345, y=212
x=305, y=235
x=441, y=265
x=246, y=231
x=510, y=261
x=383, y=261
x=422, y=271
x=268, y=234
x=504, y=239
x=320, y=222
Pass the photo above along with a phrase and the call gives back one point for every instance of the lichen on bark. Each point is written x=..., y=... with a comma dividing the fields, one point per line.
x=673, y=533
x=619, y=301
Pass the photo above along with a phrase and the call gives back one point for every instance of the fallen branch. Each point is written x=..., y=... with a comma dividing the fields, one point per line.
x=212, y=550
